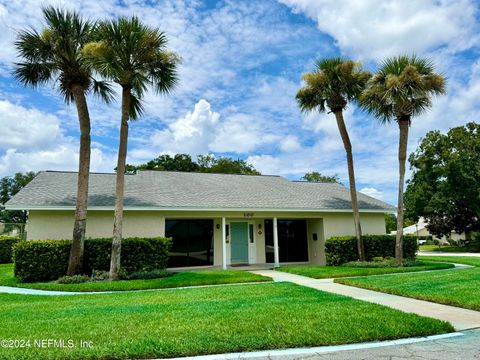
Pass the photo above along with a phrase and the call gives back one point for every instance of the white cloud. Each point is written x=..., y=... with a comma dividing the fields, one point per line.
x=191, y=134
x=290, y=143
x=266, y=164
x=23, y=127
x=203, y=131
x=370, y=191
x=241, y=133
x=63, y=156
x=33, y=140
x=375, y=29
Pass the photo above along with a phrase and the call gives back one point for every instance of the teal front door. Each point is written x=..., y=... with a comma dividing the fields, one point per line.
x=239, y=242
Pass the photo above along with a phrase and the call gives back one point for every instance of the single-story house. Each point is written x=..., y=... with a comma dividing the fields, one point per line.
x=420, y=229
x=214, y=219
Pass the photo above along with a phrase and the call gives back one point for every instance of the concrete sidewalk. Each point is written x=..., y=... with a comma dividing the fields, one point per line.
x=441, y=253
x=461, y=319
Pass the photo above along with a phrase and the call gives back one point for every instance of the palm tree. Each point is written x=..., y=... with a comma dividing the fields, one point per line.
x=54, y=56
x=135, y=57
x=400, y=90
x=332, y=85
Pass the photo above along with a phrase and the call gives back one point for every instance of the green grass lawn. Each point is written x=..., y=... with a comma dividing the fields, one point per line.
x=193, y=321
x=455, y=287
x=443, y=248
x=467, y=260
x=191, y=278
x=322, y=272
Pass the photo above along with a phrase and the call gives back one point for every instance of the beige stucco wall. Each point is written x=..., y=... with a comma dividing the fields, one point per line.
x=341, y=224
x=316, y=248
x=58, y=225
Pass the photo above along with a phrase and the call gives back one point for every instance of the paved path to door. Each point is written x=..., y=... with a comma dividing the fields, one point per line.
x=461, y=319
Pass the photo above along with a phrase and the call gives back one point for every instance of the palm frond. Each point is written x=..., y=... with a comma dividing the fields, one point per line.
x=402, y=87
x=136, y=107
x=54, y=54
x=32, y=47
x=34, y=73
x=133, y=55
x=163, y=72
x=309, y=100
x=103, y=90
x=334, y=82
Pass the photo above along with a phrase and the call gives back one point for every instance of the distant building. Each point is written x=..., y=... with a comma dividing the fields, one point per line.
x=420, y=229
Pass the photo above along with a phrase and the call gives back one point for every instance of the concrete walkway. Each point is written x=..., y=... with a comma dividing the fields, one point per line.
x=461, y=319
x=28, y=291
x=441, y=253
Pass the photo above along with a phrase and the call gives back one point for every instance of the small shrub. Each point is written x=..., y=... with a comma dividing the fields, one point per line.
x=452, y=242
x=6, y=248
x=100, y=275
x=343, y=249
x=473, y=244
x=385, y=263
x=378, y=259
x=41, y=260
x=75, y=279
x=46, y=260
x=154, y=274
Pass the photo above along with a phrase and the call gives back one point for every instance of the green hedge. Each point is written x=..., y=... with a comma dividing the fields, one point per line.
x=6, y=245
x=46, y=260
x=343, y=249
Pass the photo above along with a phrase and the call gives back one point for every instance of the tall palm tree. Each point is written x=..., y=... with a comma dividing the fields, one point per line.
x=331, y=86
x=400, y=90
x=54, y=56
x=135, y=57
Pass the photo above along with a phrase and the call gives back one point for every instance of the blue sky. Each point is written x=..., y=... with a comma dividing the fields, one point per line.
x=242, y=65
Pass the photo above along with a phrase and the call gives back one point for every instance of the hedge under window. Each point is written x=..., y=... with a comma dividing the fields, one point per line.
x=192, y=242
x=292, y=240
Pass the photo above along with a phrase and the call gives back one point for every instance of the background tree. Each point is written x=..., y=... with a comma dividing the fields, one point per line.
x=135, y=57
x=445, y=185
x=9, y=186
x=401, y=89
x=178, y=162
x=54, y=57
x=331, y=86
x=315, y=176
x=204, y=163
x=391, y=222
x=224, y=165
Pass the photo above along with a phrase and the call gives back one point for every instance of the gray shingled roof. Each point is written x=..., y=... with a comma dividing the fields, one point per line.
x=179, y=190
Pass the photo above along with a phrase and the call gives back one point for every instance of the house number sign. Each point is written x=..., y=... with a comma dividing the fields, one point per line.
x=248, y=215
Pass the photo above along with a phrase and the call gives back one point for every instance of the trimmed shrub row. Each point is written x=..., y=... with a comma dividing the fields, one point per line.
x=342, y=249
x=6, y=248
x=46, y=260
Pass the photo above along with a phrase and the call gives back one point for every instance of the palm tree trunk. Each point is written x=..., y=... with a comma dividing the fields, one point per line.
x=404, y=124
x=351, y=179
x=120, y=186
x=75, y=262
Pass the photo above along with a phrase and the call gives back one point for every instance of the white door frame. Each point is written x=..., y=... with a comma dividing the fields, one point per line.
x=252, y=242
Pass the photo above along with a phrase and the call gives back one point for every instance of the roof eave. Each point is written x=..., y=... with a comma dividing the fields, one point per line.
x=149, y=208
